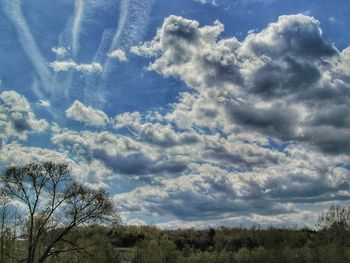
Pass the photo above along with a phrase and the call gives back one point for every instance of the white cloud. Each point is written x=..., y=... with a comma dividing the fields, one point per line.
x=17, y=118
x=274, y=82
x=332, y=19
x=122, y=155
x=300, y=218
x=62, y=66
x=155, y=133
x=184, y=49
x=212, y=193
x=86, y=114
x=136, y=222
x=89, y=68
x=93, y=174
x=118, y=54
x=212, y=2
x=270, y=116
x=16, y=154
x=59, y=66
x=59, y=51
x=44, y=103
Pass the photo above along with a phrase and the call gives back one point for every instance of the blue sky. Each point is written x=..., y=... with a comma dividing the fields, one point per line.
x=190, y=112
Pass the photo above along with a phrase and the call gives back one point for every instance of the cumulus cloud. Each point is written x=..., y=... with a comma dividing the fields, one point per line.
x=17, y=118
x=63, y=66
x=16, y=154
x=184, y=49
x=119, y=153
x=88, y=115
x=276, y=82
x=119, y=55
x=155, y=133
x=269, y=115
x=293, y=35
x=239, y=150
x=211, y=192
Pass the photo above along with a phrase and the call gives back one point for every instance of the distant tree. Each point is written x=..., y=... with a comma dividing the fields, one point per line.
x=335, y=223
x=55, y=204
x=148, y=251
x=155, y=251
x=335, y=217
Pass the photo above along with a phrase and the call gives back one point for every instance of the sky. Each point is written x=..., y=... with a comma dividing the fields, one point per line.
x=191, y=113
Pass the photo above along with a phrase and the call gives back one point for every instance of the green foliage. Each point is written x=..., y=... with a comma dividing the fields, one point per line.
x=261, y=255
x=153, y=251
x=229, y=245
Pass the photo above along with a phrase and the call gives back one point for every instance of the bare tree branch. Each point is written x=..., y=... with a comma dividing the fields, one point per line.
x=56, y=204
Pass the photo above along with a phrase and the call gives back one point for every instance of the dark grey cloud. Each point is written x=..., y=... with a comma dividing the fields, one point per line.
x=278, y=120
x=328, y=139
x=138, y=164
x=284, y=78
x=335, y=116
x=240, y=155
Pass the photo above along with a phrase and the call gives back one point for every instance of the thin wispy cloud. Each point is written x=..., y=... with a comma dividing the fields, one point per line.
x=78, y=15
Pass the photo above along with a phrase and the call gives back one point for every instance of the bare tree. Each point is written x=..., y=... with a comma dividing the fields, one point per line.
x=336, y=217
x=55, y=205
x=335, y=223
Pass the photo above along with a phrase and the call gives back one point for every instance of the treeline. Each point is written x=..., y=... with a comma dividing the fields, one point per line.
x=147, y=244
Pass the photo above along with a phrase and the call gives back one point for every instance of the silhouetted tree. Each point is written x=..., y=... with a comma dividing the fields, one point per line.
x=55, y=204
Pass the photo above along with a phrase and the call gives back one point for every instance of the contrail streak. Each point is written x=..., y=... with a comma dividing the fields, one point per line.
x=133, y=19
x=103, y=49
x=92, y=83
x=78, y=14
x=124, y=11
x=65, y=40
x=44, y=86
x=123, y=17
x=13, y=10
